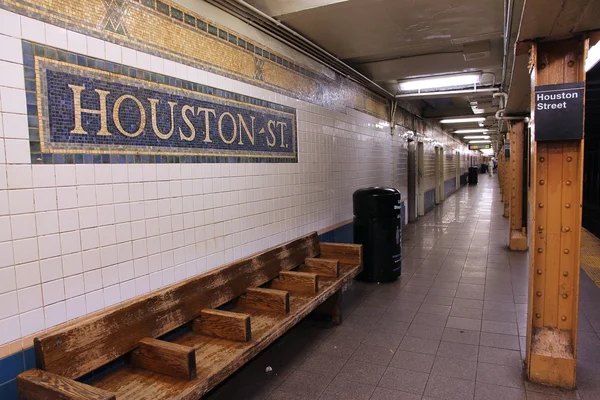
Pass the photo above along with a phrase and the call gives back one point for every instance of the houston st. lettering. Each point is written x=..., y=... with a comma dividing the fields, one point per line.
x=195, y=123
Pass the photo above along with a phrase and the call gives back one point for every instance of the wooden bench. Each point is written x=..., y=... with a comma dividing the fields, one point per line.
x=183, y=340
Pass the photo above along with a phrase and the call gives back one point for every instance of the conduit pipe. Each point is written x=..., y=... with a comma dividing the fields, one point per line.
x=500, y=117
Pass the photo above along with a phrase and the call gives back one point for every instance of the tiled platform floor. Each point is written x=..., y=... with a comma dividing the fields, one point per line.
x=451, y=328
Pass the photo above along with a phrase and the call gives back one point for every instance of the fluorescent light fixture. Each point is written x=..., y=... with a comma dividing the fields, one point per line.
x=462, y=120
x=440, y=82
x=482, y=130
x=475, y=137
x=479, y=141
x=593, y=57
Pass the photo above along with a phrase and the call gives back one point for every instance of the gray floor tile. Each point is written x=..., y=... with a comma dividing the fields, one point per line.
x=305, y=384
x=458, y=350
x=425, y=331
x=430, y=319
x=455, y=368
x=491, y=355
x=339, y=346
x=390, y=326
x=373, y=354
x=468, y=303
x=419, y=345
x=505, y=328
x=442, y=387
x=341, y=389
x=485, y=391
x=442, y=300
x=362, y=372
x=461, y=336
x=413, y=361
x=322, y=364
x=404, y=380
x=510, y=342
x=463, y=312
x=382, y=339
x=464, y=323
x=280, y=395
x=500, y=375
x=368, y=311
x=499, y=316
x=438, y=309
x=390, y=394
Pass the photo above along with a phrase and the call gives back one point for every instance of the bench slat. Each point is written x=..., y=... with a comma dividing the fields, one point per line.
x=165, y=358
x=273, y=300
x=77, y=348
x=302, y=282
x=223, y=324
x=36, y=384
x=322, y=266
x=345, y=253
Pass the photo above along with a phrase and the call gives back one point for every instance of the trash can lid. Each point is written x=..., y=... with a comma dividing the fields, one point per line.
x=373, y=202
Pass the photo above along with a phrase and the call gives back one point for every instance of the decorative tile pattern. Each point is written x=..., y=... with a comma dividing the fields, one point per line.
x=84, y=110
x=183, y=36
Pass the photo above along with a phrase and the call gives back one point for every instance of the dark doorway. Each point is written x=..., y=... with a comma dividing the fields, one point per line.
x=591, y=165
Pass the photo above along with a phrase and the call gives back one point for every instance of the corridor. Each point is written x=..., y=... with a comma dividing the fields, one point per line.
x=453, y=327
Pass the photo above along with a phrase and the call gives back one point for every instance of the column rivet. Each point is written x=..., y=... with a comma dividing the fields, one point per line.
x=567, y=229
x=565, y=296
x=566, y=273
x=569, y=159
x=542, y=159
x=566, y=251
x=538, y=315
x=541, y=205
x=568, y=205
x=539, y=294
x=542, y=182
x=568, y=183
x=540, y=250
x=571, y=63
x=539, y=271
x=563, y=318
x=540, y=228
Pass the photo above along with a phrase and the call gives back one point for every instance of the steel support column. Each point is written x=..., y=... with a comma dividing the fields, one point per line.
x=555, y=229
x=518, y=235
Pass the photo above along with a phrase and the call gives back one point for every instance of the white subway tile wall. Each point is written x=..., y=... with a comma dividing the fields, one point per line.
x=77, y=238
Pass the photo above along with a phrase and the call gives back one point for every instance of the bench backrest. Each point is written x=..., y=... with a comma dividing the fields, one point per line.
x=79, y=347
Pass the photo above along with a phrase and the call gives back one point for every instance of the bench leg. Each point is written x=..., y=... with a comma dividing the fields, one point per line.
x=330, y=310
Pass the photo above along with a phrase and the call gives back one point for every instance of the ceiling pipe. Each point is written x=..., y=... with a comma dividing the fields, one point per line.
x=500, y=117
x=279, y=31
x=447, y=93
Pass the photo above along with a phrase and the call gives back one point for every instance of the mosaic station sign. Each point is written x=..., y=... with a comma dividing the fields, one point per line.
x=84, y=110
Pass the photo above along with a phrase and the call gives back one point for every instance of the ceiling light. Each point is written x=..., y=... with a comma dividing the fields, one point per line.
x=462, y=120
x=482, y=130
x=440, y=82
x=476, y=137
x=479, y=141
x=593, y=57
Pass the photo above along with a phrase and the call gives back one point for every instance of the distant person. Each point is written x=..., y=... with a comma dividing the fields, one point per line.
x=491, y=168
x=495, y=165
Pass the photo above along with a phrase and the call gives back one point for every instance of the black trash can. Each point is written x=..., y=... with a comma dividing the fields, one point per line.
x=473, y=175
x=377, y=226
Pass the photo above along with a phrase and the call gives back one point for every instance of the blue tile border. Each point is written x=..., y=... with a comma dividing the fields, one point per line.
x=449, y=186
x=429, y=198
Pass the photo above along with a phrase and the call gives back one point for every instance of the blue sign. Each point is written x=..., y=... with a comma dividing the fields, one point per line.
x=92, y=111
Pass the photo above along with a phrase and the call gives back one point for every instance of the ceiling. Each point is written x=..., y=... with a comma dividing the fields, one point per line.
x=392, y=40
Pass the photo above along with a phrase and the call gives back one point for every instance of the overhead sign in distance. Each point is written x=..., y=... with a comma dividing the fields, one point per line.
x=559, y=112
x=480, y=146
